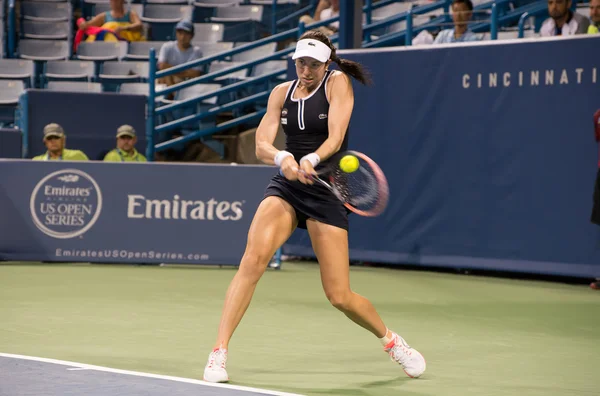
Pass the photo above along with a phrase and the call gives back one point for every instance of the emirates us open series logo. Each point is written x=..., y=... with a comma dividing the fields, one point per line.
x=66, y=203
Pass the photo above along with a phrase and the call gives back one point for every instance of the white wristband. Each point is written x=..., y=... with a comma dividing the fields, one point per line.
x=313, y=158
x=281, y=155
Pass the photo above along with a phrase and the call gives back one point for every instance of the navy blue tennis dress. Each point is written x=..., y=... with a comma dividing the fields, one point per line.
x=304, y=122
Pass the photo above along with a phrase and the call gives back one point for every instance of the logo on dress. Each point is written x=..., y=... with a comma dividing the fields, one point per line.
x=66, y=203
x=322, y=116
x=284, y=112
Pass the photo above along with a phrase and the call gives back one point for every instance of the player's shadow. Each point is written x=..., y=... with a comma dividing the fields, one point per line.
x=364, y=389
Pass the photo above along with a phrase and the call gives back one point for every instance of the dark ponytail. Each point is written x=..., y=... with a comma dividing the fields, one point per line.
x=353, y=69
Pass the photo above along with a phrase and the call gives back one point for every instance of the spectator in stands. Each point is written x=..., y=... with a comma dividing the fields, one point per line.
x=462, y=12
x=178, y=52
x=563, y=21
x=113, y=25
x=595, y=17
x=54, y=139
x=125, y=151
x=325, y=9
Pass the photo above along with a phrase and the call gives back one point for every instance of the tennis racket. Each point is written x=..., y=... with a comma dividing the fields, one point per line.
x=364, y=191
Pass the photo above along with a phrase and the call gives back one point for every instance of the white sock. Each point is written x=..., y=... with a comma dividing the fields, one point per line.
x=387, y=338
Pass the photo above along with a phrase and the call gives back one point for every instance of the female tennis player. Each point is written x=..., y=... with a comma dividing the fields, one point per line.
x=314, y=111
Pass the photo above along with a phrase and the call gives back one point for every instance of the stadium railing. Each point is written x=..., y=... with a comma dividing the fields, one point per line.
x=152, y=129
x=11, y=29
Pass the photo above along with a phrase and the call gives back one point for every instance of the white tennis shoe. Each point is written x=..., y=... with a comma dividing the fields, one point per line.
x=411, y=360
x=215, y=368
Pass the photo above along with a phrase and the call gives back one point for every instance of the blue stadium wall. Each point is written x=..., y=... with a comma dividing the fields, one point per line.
x=489, y=152
x=490, y=155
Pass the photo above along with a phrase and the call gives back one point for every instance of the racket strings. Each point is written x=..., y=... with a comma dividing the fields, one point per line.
x=359, y=188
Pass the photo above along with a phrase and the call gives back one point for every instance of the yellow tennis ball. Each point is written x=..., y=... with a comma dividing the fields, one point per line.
x=349, y=163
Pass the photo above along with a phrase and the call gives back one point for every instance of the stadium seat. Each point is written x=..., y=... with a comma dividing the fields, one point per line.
x=165, y=13
x=140, y=89
x=46, y=11
x=266, y=68
x=135, y=89
x=180, y=2
x=209, y=49
x=124, y=72
x=2, y=54
x=584, y=10
x=10, y=90
x=508, y=35
x=193, y=92
x=102, y=51
x=44, y=50
x=205, y=9
x=74, y=86
x=113, y=74
x=68, y=71
x=388, y=11
x=163, y=18
x=217, y=3
x=197, y=90
x=255, y=53
x=100, y=7
x=231, y=77
x=17, y=69
x=270, y=2
x=242, y=23
x=284, y=8
x=208, y=32
x=44, y=30
x=269, y=67
x=238, y=14
x=140, y=50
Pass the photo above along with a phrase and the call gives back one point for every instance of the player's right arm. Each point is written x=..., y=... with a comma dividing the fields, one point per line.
x=267, y=131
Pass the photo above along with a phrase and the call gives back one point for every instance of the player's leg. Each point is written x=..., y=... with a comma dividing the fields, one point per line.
x=273, y=223
x=330, y=244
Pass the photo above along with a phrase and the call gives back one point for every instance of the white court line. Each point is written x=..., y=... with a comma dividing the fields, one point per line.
x=83, y=366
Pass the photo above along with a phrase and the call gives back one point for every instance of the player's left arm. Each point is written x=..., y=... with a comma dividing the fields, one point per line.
x=341, y=103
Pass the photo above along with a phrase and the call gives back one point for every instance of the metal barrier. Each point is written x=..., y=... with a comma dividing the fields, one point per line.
x=404, y=37
x=153, y=111
x=11, y=29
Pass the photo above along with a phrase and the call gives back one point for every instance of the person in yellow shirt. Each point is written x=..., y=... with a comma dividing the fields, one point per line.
x=125, y=151
x=595, y=17
x=54, y=139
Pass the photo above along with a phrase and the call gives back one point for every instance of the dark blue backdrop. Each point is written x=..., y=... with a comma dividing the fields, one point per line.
x=10, y=143
x=90, y=120
x=480, y=175
x=127, y=213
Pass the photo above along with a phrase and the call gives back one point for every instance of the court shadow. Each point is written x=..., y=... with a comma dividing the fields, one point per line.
x=389, y=386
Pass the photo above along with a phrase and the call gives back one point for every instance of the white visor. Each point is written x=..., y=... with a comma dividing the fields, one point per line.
x=313, y=49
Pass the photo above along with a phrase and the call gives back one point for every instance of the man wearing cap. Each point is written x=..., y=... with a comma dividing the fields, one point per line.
x=181, y=51
x=54, y=139
x=125, y=151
